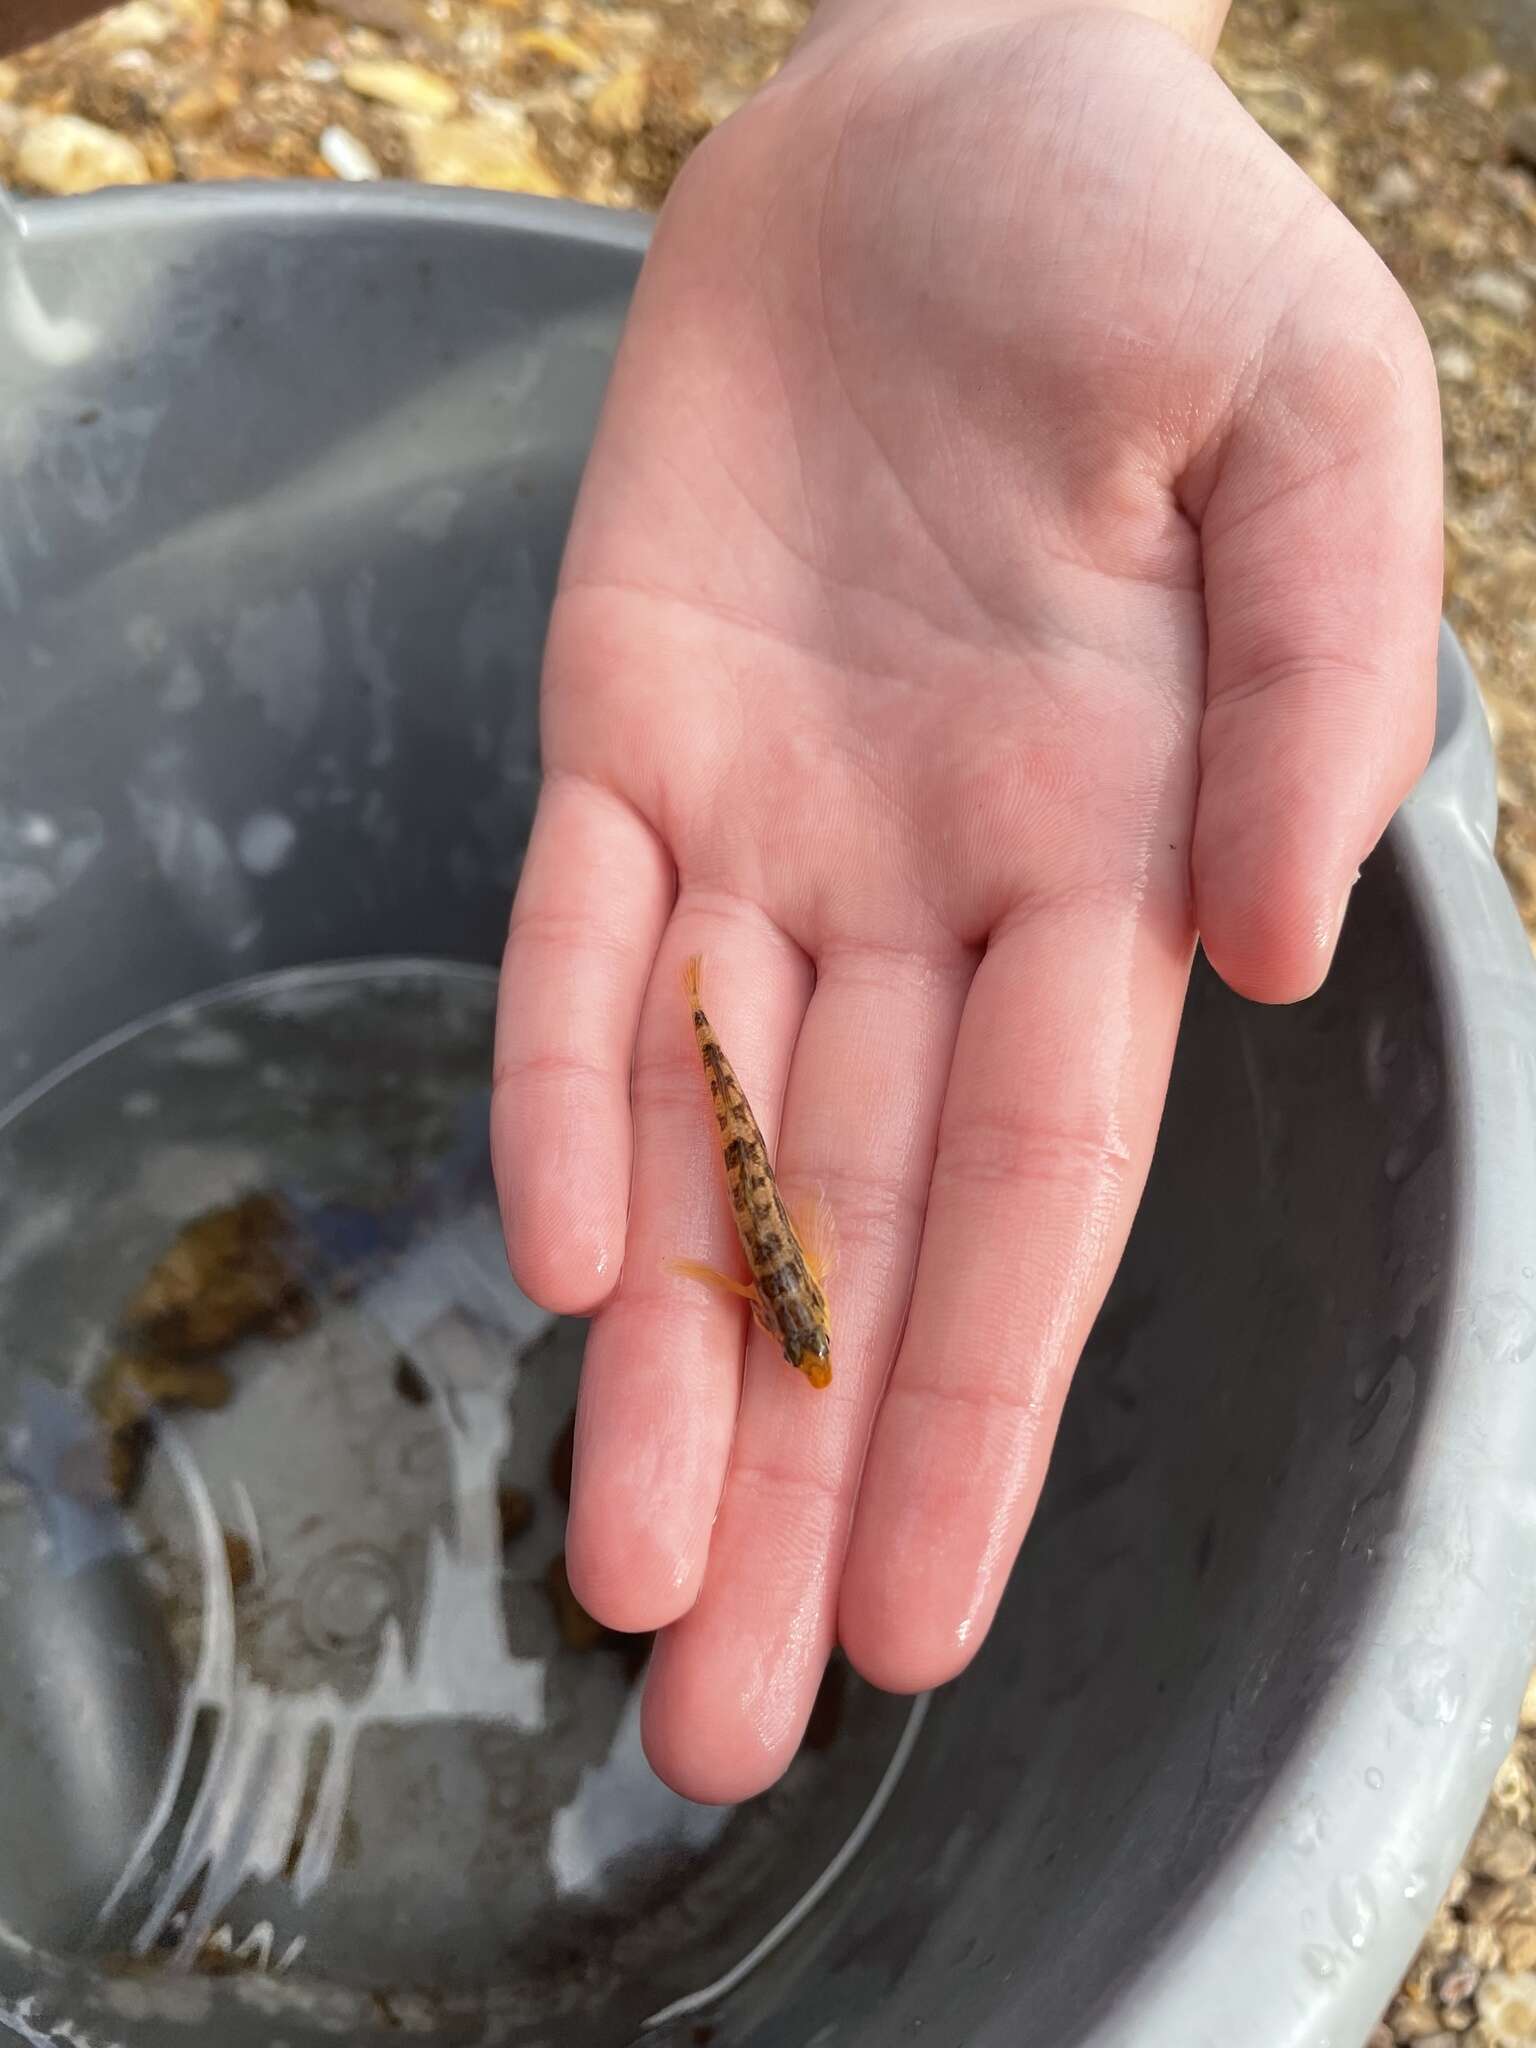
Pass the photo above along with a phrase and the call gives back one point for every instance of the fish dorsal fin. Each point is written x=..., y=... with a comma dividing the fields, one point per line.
x=811, y=1221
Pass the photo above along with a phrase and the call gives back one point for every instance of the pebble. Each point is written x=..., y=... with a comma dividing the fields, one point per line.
x=478, y=153
x=558, y=47
x=410, y=87
x=1458, y=1981
x=1485, y=87
x=137, y=23
x=1395, y=188
x=1503, y=293
x=509, y=114
x=1520, y=143
x=1483, y=1947
x=63, y=155
x=1506, y=2005
x=1512, y=1785
x=1285, y=110
x=203, y=102
x=352, y=160
x=1412, y=2019
x=1517, y=1939
x=1500, y=1850
x=632, y=25
x=1362, y=74
x=1320, y=161
x=618, y=108
x=10, y=80
x=1456, y=364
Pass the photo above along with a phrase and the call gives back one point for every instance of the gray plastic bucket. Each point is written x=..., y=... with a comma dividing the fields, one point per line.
x=285, y=480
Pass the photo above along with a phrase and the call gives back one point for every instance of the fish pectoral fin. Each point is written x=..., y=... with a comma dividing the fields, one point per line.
x=695, y=1269
x=811, y=1221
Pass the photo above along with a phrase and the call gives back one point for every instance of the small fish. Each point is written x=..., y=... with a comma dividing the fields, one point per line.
x=788, y=1256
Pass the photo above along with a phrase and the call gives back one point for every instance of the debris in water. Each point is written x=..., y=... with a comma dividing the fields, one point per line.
x=229, y=1274
x=515, y=1508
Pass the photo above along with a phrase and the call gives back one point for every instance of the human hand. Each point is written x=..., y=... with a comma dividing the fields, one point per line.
x=1012, y=545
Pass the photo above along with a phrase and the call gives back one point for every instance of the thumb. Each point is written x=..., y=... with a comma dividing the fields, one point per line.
x=1321, y=538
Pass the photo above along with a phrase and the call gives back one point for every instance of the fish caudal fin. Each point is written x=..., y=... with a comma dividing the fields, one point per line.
x=691, y=979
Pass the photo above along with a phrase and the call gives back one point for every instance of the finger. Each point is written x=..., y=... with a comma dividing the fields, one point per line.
x=662, y=1374
x=1321, y=542
x=1059, y=1075
x=591, y=906
x=733, y=1683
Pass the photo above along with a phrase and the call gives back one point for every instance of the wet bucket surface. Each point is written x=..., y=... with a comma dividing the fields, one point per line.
x=270, y=623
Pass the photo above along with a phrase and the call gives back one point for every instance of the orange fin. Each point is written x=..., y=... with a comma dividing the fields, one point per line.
x=695, y=1269
x=692, y=972
x=811, y=1221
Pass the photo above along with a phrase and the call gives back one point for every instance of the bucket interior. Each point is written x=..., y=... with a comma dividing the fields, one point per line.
x=280, y=519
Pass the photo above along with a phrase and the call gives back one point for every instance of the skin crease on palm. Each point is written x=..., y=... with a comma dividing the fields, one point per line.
x=1011, y=548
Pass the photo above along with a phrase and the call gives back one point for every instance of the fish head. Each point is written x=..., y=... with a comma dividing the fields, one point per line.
x=811, y=1354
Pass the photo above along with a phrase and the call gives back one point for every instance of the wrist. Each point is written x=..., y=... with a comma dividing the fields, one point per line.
x=1197, y=22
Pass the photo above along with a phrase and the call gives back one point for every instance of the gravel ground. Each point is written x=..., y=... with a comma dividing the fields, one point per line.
x=1401, y=110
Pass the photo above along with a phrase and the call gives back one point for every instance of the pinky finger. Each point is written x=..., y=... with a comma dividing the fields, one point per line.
x=591, y=906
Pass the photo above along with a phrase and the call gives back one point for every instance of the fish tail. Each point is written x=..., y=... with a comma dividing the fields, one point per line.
x=691, y=980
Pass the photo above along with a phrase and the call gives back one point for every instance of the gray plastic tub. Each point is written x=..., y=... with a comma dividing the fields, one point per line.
x=285, y=480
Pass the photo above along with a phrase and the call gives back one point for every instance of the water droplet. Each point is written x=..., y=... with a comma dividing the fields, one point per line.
x=1504, y=1327
x=1428, y=1683
x=1414, y=1883
x=1373, y=1778
x=1322, y=1962
x=1304, y=1828
x=1353, y=1910
x=1485, y=1731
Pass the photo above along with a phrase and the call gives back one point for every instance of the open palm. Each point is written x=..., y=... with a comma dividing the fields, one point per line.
x=1011, y=546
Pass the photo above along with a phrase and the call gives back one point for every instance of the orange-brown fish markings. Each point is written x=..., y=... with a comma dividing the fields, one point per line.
x=786, y=1292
